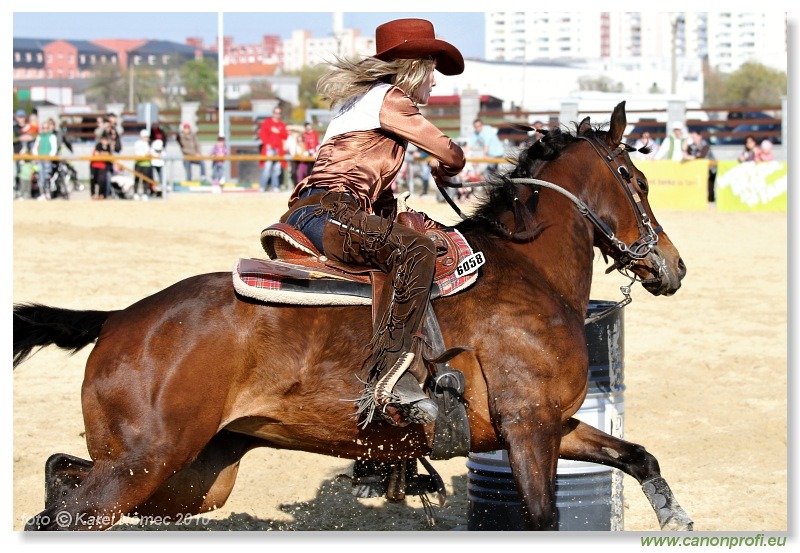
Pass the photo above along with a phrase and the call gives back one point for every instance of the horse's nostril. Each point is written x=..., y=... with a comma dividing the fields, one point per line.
x=681, y=268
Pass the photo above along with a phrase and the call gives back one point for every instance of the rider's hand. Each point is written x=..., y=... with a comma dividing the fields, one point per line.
x=445, y=181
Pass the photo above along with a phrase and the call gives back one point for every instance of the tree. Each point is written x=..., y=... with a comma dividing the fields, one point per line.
x=108, y=85
x=753, y=84
x=602, y=84
x=146, y=85
x=260, y=90
x=309, y=75
x=199, y=78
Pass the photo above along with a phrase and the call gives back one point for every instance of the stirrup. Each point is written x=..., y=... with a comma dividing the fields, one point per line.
x=398, y=394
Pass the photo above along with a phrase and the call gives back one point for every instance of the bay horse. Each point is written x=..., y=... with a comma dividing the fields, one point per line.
x=181, y=384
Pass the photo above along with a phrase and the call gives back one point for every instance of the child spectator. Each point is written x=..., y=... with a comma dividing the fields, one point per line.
x=157, y=151
x=218, y=165
x=765, y=152
x=26, y=170
x=144, y=167
x=100, y=169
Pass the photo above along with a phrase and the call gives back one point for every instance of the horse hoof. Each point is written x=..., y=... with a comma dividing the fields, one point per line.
x=678, y=522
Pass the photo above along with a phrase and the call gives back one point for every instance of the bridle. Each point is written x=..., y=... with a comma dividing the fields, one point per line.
x=648, y=235
x=628, y=254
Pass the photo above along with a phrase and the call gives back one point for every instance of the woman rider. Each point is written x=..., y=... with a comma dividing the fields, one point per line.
x=346, y=206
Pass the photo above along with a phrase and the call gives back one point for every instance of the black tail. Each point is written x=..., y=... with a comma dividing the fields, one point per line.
x=39, y=326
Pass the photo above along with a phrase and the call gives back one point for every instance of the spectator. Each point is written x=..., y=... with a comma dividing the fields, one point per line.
x=673, y=146
x=273, y=134
x=156, y=133
x=190, y=147
x=100, y=129
x=101, y=169
x=46, y=144
x=63, y=141
x=121, y=183
x=157, y=151
x=483, y=142
x=26, y=171
x=112, y=133
x=645, y=141
x=31, y=129
x=310, y=147
x=750, y=150
x=21, y=143
x=143, y=167
x=310, y=139
x=113, y=120
x=218, y=165
x=422, y=160
x=535, y=134
x=765, y=151
x=699, y=148
x=295, y=148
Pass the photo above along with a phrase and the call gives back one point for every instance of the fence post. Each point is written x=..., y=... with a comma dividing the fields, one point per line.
x=676, y=114
x=569, y=113
x=468, y=110
x=189, y=113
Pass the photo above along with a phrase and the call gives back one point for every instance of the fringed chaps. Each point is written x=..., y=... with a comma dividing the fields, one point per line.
x=408, y=257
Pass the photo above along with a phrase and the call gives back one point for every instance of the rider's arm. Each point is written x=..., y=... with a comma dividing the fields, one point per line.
x=401, y=117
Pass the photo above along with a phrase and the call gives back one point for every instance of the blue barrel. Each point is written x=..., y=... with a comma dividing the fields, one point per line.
x=588, y=496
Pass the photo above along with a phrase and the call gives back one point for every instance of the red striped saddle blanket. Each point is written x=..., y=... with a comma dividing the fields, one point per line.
x=296, y=273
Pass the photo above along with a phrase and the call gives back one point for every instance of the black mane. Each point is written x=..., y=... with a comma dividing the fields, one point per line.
x=502, y=195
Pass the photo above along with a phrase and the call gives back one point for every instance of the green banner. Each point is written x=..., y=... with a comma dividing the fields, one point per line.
x=752, y=186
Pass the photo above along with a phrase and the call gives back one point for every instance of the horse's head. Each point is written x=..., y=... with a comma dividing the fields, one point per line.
x=628, y=230
x=594, y=171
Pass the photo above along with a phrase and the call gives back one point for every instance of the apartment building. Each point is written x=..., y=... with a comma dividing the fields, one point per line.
x=726, y=39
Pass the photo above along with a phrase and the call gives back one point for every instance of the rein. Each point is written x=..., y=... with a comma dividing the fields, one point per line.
x=639, y=249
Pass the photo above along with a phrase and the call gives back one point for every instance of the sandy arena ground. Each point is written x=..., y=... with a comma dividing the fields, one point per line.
x=706, y=370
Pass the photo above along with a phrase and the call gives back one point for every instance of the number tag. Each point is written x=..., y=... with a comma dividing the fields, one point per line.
x=470, y=264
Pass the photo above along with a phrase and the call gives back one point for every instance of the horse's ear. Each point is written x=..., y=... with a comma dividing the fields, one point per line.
x=618, y=123
x=584, y=127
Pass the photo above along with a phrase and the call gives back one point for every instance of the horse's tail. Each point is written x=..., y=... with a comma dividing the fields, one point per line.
x=40, y=326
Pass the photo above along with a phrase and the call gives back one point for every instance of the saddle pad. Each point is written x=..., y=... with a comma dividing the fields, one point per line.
x=274, y=281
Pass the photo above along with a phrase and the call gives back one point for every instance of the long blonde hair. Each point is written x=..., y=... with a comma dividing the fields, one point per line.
x=349, y=78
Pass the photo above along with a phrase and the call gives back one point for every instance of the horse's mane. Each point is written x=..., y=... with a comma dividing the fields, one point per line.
x=503, y=196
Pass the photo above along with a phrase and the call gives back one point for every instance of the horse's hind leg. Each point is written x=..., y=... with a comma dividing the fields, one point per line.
x=582, y=442
x=77, y=489
x=204, y=485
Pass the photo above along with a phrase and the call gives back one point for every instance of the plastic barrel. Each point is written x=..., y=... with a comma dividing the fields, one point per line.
x=588, y=496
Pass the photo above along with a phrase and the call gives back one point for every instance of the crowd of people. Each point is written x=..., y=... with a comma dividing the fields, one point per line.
x=40, y=139
x=677, y=147
x=279, y=142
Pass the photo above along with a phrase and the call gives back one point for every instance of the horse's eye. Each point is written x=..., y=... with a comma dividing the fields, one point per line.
x=642, y=185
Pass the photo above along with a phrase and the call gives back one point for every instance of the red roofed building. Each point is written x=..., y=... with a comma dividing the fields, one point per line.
x=121, y=47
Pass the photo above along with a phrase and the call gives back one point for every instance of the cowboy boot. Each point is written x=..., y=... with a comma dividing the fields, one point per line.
x=399, y=397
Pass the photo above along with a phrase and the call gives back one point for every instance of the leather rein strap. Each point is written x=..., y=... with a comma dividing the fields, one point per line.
x=648, y=238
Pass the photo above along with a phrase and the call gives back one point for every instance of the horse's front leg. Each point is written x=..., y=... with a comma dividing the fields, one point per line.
x=582, y=442
x=532, y=433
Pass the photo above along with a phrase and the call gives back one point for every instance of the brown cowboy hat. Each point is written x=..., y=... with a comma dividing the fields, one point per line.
x=414, y=38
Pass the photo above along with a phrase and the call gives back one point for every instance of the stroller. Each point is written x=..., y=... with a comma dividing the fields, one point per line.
x=63, y=178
